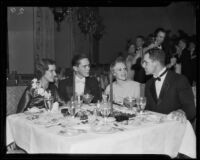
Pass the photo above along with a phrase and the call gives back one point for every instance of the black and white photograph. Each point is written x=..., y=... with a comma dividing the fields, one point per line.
x=100, y=80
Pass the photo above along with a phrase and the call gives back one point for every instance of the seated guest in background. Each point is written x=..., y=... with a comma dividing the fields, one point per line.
x=60, y=75
x=193, y=57
x=167, y=92
x=122, y=87
x=41, y=88
x=139, y=75
x=84, y=83
x=184, y=60
x=130, y=61
x=160, y=37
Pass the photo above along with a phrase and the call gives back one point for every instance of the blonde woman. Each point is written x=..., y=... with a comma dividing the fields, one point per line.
x=122, y=86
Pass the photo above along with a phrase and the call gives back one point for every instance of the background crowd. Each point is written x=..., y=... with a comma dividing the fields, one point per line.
x=180, y=50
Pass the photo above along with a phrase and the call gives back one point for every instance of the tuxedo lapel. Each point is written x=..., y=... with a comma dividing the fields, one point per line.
x=153, y=91
x=69, y=87
x=164, y=88
x=87, y=88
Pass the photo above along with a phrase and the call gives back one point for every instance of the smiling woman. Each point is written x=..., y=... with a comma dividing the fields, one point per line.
x=40, y=88
x=122, y=87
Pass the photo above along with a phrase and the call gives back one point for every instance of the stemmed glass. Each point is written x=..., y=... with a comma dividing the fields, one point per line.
x=105, y=111
x=141, y=103
x=78, y=101
x=72, y=109
x=48, y=102
x=129, y=102
x=87, y=98
x=105, y=98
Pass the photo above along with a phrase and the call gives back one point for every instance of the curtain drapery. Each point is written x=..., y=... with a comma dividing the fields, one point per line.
x=43, y=34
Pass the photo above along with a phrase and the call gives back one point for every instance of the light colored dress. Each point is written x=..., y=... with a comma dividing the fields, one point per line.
x=128, y=89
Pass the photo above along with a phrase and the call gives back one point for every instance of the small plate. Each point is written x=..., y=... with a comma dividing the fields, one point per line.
x=34, y=110
x=69, y=132
x=104, y=129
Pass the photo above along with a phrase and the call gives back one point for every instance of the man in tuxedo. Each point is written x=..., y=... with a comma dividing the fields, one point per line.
x=83, y=83
x=167, y=92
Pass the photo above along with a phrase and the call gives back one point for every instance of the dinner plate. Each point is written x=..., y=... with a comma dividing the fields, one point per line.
x=44, y=121
x=69, y=132
x=153, y=118
x=104, y=129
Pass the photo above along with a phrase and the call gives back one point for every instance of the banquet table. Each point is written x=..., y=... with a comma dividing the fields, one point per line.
x=144, y=134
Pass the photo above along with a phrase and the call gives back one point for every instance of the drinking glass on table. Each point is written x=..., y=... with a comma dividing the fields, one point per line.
x=48, y=102
x=87, y=98
x=72, y=108
x=78, y=101
x=104, y=97
x=105, y=111
x=141, y=102
x=129, y=102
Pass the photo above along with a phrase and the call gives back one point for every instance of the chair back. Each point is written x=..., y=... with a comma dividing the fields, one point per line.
x=13, y=95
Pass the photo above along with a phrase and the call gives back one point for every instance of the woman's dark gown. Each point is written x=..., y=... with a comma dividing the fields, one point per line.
x=29, y=99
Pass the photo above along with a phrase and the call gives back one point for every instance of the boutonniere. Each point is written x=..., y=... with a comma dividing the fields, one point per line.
x=38, y=90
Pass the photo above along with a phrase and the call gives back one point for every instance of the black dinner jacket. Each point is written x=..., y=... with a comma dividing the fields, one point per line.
x=65, y=88
x=176, y=93
x=186, y=64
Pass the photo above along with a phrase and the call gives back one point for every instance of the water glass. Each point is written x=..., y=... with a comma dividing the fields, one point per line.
x=87, y=98
x=48, y=102
x=72, y=109
x=141, y=103
x=105, y=111
x=105, y=97
x=129, y=102
x=78, y=101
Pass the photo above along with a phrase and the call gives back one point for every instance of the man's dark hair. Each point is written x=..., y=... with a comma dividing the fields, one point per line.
x=141, y=37
x=157, y=54
x=184, y=40
x=159, y=30
x=76, y=59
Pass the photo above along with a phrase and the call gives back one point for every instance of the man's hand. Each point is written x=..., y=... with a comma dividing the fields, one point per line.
x=178, y=115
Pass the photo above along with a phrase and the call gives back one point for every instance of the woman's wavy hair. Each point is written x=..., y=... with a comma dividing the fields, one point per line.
x=43, y=66
x=113, y=64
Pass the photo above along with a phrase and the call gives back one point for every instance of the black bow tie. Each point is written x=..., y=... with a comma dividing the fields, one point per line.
x=159, y=78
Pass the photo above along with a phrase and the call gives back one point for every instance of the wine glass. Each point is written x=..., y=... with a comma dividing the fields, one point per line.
x=78, y=101
x=105, y=97
x=143, y=102
x=105, y=111
x=48, y=102
x=72, y=109
x=87, y=98
x=129, y=102
x=138, y=104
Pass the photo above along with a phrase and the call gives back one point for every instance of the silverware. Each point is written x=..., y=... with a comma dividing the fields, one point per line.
x=57, y=124
x=120, y=129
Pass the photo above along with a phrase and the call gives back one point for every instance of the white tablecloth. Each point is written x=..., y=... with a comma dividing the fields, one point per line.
x=169, y=137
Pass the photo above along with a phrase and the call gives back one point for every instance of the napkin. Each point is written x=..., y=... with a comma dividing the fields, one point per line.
x=55, y=107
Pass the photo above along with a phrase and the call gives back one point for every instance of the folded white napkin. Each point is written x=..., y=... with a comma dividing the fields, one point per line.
x=55, y=107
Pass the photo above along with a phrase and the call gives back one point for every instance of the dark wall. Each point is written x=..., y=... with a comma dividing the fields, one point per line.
x=123, y=23
x=20, y=41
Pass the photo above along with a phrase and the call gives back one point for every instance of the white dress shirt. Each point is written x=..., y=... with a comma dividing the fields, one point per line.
x=79, y=85
x=158, y=84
